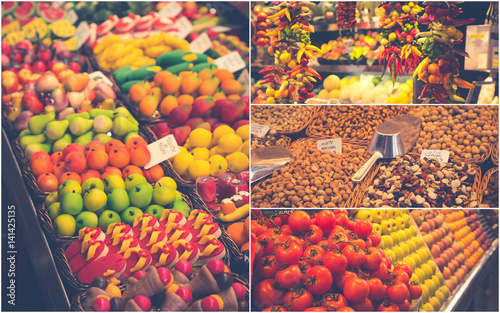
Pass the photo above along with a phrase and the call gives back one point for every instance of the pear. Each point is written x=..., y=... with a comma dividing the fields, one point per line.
x=24, y=133
x=65, y=112
x=71, y=117
x=85, y=138
x=104, y=138
x=96, y=112
x=29, y=139
x=102, y=124
x=80, y=125
x=108, y=104
x=56, y=129
x=130, y=135
x=122, y=111
x=61, y=143
x=122, y=126
x=37, y=123
x=35, y=147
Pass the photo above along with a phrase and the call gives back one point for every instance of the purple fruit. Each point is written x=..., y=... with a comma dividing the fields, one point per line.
x=60, y=100
x=21, y=122
x=104, y=91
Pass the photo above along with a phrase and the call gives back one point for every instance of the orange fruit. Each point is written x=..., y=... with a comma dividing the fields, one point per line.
x=237, y=233
x=433, y=79
x=245, y=246
x=433, y=68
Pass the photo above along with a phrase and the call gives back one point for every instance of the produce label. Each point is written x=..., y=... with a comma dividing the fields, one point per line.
x=172, y=9
x=259, y=130
x=440, y=155
x=244, y=79
x=100, y=77
x=333, y=145
x=232, y=62
x=183, y=26
x=82, y=33
x=267, y=213
x=162, y=150
x=201, y=44
x=72, y=17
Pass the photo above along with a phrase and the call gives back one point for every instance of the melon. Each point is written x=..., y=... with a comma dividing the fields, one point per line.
x=7, y=20
x=25, y=10
x=52, y=15
x=8, y=7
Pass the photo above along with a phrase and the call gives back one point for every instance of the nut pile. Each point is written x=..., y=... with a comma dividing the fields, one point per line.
x=465, y=131
x=282, y=118
x=315, y=179
x=412, y=182
x=352, y=121
x=490, y=194
x=269, y=140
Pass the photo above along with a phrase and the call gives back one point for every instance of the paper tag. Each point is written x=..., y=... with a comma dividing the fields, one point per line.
x=183, y=26
x=220, y=29
x=57, y=4
x=232, y=62
x=171, y=9
x=100, y=77
x=441, y=155
x=244, y=79
x=201, y=44
x=333, y=145
x=82, y=33
x=72, y=17
x=162, y=150
x=259, y=130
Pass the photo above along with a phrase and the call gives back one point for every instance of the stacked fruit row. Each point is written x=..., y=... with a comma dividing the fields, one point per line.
x=329, y=261
x=223, y=44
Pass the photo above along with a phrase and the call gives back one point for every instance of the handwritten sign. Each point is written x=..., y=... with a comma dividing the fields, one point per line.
x=162, y=150
x=82, y=33
x=171, y=9
x=201, y=44
x=100, y=77
x=440, y=155
x=244, y=79
x=72, y=17
x=258, y=130
x=333, y=145
x=183, y=26
x=232, y=62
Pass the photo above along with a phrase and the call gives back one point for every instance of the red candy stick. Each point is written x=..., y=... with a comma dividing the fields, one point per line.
x=206, y=188
x=244, y=176
x=236, y=186
x=223, y=184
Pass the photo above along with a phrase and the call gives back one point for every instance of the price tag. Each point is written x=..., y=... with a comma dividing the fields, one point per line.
x=333, y=145
x=82, y=33
x=440, y=155
x=72, y=17
x=220, y=29
x=201, y=44
x=100, y=77
x=183, y=26
x=232, y=62
x=259, y=130
x=244, y=79
x=162, y=150
x=172, y=9
x=57, y=4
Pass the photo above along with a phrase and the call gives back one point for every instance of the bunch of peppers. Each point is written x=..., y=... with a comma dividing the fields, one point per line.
x=439, y=69
x=290, y=79
x=346, y=14
x=400, y=24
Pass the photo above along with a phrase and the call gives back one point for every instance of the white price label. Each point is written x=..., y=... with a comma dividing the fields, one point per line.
x=183, y=26
x=232, y=62
x=201, y=44
x=259, y=130
x=244, y=79
x=72, y=17
x=100, y=77
x=171, y=9
x=440, y=155
x=82, y=33
x=162, y=150
x=333, y=145
x=220, y=29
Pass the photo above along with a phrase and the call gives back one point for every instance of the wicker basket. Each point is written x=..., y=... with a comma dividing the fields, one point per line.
x=488, y=188
x=270, y=140
x=297, y=127
x=494, y=153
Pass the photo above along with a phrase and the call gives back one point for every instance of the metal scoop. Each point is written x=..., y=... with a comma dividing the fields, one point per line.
x=266, y=161
x=393, y=138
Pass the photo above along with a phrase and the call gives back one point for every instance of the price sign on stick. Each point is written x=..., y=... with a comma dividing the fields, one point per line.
x=232, y=62
x=441, y=155
x=162, y=150
x=171, y=9
x=333, y=145
x=259, y=130
x=201, y=44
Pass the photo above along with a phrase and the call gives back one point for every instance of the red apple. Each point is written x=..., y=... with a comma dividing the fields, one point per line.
x=75, y=162
x=10, y=84
x=32, y=103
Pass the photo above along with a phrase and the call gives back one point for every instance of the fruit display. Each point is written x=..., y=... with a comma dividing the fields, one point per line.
x=223, y=44
x=263, y=24
x=346, y=14
x=356, y=48
x=283, y=119
x=272, y=138
x=101, y=11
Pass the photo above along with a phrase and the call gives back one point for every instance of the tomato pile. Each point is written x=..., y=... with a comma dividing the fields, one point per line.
x=324, y=261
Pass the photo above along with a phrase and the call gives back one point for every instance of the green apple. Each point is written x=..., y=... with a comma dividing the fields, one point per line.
x=386, y=227
x=99, y=212
x=420, y=275
x=440, y=276
x=134, y=179
x=140, y=195
x=376, y=215
x=118, y=200
x=433, y=265
x=155, y=210
x=391, y=255
x=441, y=297
x=397, y=212
x=86, y=219
x=54, y=210
x=413, y=278
x=400, y=222
x=425, y=293
x=417, y=242
x=69, y=186
x=430, y=285
x=428, y=240
x=436, y=304
x=166, y=181
x=51, y=198
x=178, y=195
x=182, y=207
x=391, y=213
x=92, y=183
x=163, y=195
x=113, y=182
x=71, y=203
x=399, y=253
x=387, y=240
x=128, y=216
x=427, y=270
x=376, y=228
x=108, y=217
x=427, y=307
x=65, y=225
x=364, y=214
x=94, y=200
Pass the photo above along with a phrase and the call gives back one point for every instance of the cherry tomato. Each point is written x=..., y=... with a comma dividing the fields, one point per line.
x=355, y=256
x=405, y=306
x=266, y=267
x=299, y=221
x=275, y=308
x=289, y=277
x=335, y=262
x=346, y=309
x=401, y=276
x=365, y=306
x=363, y=228
x=398, y=293
x=302, y=299
x=404, y=267
x=325, y=220
x=288, y=253
x=265, y=294
x=415, y=291
x=372, y=260
x=340, y=279
x=314, y=234
x=387, y=307
x=375, y=238
x=258, y=227
x=314, y=255
x=337, y=241
x=377, y=289
x=382, y=272
x=321, y=280
x=356, y=289
x=333, y=302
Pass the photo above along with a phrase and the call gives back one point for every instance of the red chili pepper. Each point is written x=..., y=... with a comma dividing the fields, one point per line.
x=266, y=70
x=441, y=12
x=398, y=33
x=266, y=81
x=438, y=97
x=405, y=16
x=413, y=31
x=424, y=90
x=424, y=20
x=464, y=21
x=457, y=42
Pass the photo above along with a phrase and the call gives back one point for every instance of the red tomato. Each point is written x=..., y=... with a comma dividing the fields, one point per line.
x=335, y=262
x=334, y=241
x=265, y=295
x=340, y=211
x=259, y=251
x=341, y=220
x=333, y=302
x=314, y=234
x=323, y=244
x=266, y=267
x=258, y=227
x=355, y=256
x=346, y=309
x=325, y=220
x=302, y=299
x=401, y=276
x=404, y=267
x=377, y=289
x=286, y=230
x=372, y=260
x=340, y=279
x=321, y=280
x=360, y=243
x=387, y=261
x=299, y=221
x=405, y=306
x=388, y=307
x=304, y=267
x=365, y=306
x=375, y=238
x=398, y=293
x=267, y=241
x=314, y=255
x=350, y=225
x=363, y=228
x=356, y=289
x=337, y=228
x=288, y=253
x=368, y=242
x=415, y=291
x=289, y=277
x=275, y=308
x=382, y=272
x=315, y=309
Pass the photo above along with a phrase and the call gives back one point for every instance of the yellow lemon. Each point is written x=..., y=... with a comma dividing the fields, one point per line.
x=244, y=132
x=229, y=143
